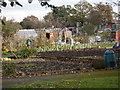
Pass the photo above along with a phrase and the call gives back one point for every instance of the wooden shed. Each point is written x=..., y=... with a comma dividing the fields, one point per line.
x=118, y=36
x=53, y=35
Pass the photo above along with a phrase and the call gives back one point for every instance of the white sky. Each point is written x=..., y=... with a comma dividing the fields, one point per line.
x=19, y=13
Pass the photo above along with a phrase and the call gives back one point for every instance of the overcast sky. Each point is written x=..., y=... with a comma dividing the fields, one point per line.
x=19, y=13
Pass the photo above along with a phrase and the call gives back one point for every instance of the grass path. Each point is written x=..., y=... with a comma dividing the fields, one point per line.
x=100, y=79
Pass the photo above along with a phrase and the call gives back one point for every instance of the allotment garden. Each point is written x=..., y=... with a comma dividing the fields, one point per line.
x=55, y=60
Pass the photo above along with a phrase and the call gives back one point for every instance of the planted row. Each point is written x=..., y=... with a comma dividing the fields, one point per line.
x=61, y=48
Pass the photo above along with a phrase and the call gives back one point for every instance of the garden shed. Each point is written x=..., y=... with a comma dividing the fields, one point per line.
x=25, y=34
x=118, y=36
x=54, y=34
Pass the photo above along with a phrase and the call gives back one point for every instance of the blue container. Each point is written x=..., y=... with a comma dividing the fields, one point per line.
x=110, y=58
x=59, y=42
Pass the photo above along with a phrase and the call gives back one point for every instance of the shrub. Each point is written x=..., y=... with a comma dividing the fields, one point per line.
x=98, y=64
x=25, y=53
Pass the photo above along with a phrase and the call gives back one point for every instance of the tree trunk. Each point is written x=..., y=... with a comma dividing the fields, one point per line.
x=0, y=39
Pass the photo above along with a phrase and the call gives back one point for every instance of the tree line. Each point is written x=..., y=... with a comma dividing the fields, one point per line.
x=84, y=14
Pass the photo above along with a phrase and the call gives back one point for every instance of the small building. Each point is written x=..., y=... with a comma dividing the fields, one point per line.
x=73, y=30
x=43, y=36
x=54, y=34
x=113, y=27
x=25, y=34
x=118, y=36
x=21, y=36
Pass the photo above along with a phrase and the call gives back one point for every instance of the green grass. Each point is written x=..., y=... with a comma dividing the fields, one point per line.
x=101, y=79
x=104, y=44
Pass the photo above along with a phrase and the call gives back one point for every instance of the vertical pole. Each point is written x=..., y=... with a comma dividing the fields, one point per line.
x=118, y=57
x=77, y=24
x=0, y=55
x=0, y=39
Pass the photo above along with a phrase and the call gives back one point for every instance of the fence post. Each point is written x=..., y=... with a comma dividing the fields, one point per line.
x=0, y=55
x=0, y=39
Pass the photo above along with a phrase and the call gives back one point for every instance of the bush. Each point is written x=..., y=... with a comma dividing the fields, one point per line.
x=25, y=53
x=98, y=64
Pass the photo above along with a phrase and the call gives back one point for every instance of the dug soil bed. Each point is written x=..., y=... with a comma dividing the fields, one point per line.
x=75, y=53
x=58, y=62
x=39, y=67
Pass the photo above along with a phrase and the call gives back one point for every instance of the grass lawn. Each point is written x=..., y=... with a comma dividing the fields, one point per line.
x=100, y=79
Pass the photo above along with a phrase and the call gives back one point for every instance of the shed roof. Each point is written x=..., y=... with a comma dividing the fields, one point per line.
x=26, y=33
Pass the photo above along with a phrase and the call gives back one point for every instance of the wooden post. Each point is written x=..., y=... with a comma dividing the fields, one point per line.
x=77, y=24
x=0, y=39
x=0, y=55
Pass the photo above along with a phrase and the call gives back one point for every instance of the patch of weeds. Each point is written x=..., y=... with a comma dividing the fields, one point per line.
x=8, y=69
x=25, y=53
x=98, y=64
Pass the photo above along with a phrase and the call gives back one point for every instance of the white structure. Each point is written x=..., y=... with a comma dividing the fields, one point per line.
x=25, y=34
x=94, y=39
